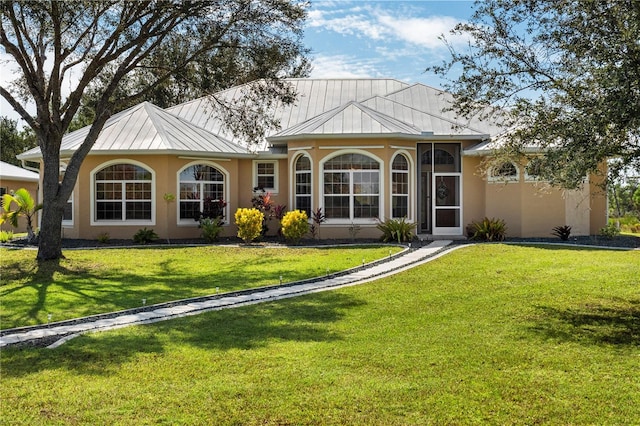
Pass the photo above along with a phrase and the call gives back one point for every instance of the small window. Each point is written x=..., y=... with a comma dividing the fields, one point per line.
x=266, y=176
x=504, y=172
x=67, y=215
x=303, y=184
x=400, y=187
x=532, y=172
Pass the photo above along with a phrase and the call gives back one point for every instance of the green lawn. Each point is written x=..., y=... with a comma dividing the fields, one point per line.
x=489, y=334
x=96, y=281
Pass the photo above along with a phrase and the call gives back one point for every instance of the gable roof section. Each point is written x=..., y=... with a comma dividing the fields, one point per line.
x=11, y=172
x=351, y=118
x=147, y=129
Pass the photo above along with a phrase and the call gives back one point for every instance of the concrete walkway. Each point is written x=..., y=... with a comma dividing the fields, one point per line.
x=56, y=334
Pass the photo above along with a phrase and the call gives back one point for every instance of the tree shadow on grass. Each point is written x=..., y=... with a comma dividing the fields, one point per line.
x=611, y=322
x=304, y=319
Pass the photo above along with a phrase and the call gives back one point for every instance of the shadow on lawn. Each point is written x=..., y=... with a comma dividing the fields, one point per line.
x=303, y=319
x=610, y=322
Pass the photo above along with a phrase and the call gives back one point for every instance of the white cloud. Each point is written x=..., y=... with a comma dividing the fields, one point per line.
x=343, y=66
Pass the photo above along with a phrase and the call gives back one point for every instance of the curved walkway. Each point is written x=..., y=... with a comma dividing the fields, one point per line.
x=53, y=335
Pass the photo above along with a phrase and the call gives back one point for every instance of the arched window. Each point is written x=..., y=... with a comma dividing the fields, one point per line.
x=303, y=184
x=201, y=192
x=123, y=193
x=351, y=187
x=505, y=171
x=400, y=187
x=533, y=170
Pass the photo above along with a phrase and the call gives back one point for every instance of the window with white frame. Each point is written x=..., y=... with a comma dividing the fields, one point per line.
x=533, y=170
x=266, y=176
x=351, y=187
x=202, y=192
x=67, y=215
x=400, y=187
x=123, y=193
x=303, y=184
x=504, y=172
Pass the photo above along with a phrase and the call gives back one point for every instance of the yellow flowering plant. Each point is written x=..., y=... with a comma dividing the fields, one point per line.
x=249, y=223
x=294, y=225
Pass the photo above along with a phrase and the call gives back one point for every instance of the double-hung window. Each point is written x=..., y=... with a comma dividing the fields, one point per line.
x=303, y=184
x=201, y=192
x=400, y=187
x=351, y=187
x=123, y=193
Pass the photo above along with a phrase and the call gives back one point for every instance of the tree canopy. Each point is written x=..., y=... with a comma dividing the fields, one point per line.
x=14, y=141
x=122, y=52
x=565, y=75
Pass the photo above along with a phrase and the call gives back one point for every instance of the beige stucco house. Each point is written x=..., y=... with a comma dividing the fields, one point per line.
x=363, y=150
x=13, y=178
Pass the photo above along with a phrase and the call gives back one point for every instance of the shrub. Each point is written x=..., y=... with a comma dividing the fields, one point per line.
x=211, y=228
x=396, y=230
x=249, y=222
x=488, y=230
x=6, y=236
x=144, y=236
x=562, y=232
x=294, y=225
x=318, y=218
x=610, y=231
x=103, y=238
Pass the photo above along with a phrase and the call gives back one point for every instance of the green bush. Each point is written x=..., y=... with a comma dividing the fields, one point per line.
x=211, y=228
x=396, y=230
x=103, y=237
x=6, y=236
x=295, y=224
x=610, y=231
x=249, y=223
x=145, y=236
x=487, y=230
x=562, y=232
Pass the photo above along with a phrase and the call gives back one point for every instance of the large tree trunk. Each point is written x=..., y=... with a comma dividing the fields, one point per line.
x=50, y=240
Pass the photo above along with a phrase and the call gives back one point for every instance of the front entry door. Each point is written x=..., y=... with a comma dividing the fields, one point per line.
x=440, y=189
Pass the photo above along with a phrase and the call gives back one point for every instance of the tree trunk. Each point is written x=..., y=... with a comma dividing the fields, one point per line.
x=50, y=241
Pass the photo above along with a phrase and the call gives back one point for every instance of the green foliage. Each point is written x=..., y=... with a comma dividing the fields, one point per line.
x=145, y=236
x=563, y=232
x=6, y=236
x=487, y=230
x=25, y=207
x=211, y=228
x=14, y=141
x=249, y=223
x=610, y=231
x=396, y=230
x=570, y=86
x=295, y=224
x=103, y=237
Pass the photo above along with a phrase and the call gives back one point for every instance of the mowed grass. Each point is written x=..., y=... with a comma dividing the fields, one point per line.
x=488, y=334
x=97, y=281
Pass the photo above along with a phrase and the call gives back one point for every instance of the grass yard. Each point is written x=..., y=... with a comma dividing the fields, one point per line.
x=489, y=334
x=97, y=281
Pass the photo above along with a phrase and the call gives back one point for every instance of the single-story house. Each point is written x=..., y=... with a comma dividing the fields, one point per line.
x=13, y=178
x=363, y=150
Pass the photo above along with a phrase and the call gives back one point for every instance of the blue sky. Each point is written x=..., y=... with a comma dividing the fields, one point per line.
x=397, y=39
x=377, y=39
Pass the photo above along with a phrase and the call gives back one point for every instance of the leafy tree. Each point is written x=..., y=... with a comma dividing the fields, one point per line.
x=565, y=75
x=25, y=206
x=14, y=141
x=107, y=46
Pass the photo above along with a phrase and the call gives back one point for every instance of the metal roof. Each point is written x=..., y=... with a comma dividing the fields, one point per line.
x=145, y=128
x=11, y=172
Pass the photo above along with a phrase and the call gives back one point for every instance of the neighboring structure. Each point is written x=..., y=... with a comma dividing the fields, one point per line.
x=13, y=178
x=363, y=150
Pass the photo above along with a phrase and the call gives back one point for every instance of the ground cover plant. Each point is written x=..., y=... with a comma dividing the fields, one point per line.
x=489, y=334
x=97, y=281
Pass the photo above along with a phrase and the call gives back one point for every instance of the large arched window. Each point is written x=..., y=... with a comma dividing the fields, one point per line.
x=201, y=192
x=351, y=187
x=303, y=184
x=400, y=187
x=123, y=193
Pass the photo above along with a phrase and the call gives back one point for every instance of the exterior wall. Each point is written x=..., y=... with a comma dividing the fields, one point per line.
x=473, y=190
x=13, y=185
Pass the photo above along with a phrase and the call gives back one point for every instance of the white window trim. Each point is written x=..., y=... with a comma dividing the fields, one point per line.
x=381, y=194
x=190, y=222
x=292, y=181
x=412, y=176
x=92, y=191
x=276, y=175
x=503, y=179
x=69, y=223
